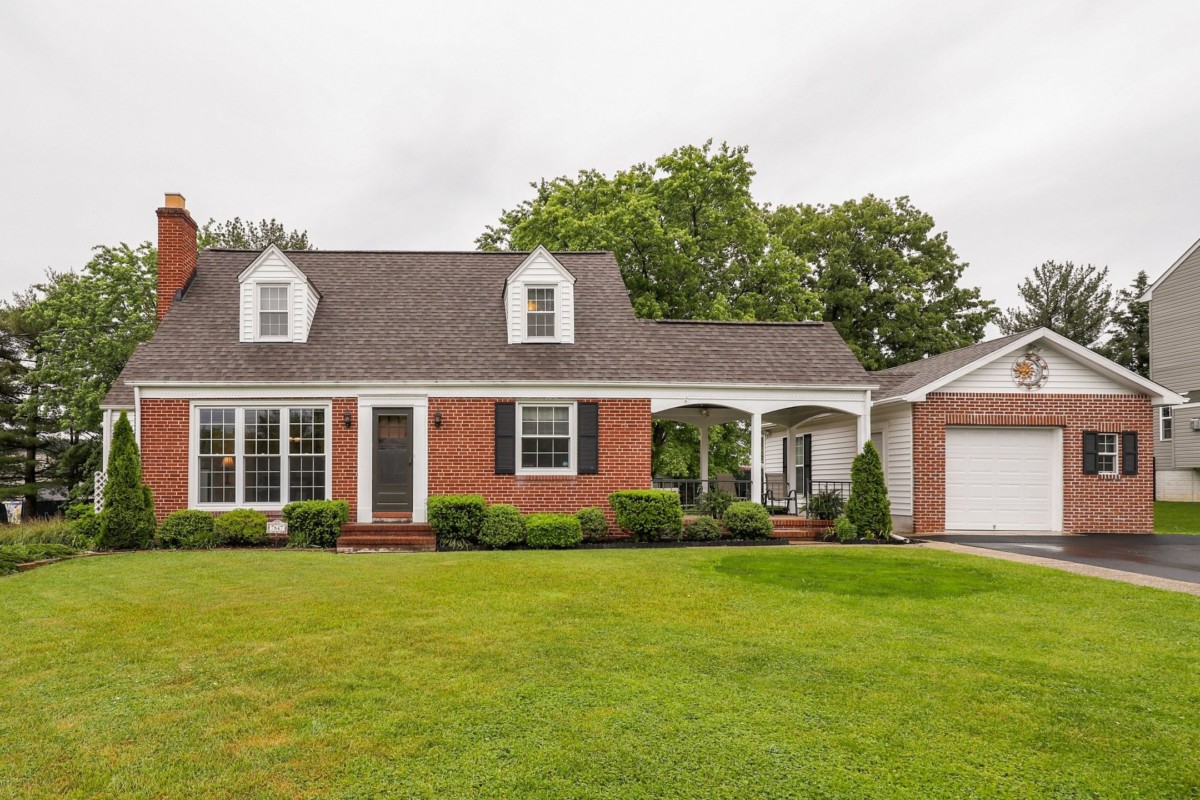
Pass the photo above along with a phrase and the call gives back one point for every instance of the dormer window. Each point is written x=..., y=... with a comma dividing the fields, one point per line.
x=273, y=316
x=539, y=312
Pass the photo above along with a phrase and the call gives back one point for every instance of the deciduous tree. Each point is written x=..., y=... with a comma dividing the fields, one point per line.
x=238, y=234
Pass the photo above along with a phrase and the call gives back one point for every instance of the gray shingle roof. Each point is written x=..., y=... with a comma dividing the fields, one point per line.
x=430, y=317
x=912, y=376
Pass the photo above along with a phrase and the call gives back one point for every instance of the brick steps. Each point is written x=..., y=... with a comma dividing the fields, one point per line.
x=799, y=527
x=386, y=537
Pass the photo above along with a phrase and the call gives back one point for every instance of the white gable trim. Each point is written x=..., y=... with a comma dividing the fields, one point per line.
x=540, y=270
x=268, y=252
x=1159, y=395
x=1149, y=294
x=540, y=253
x=273, y=268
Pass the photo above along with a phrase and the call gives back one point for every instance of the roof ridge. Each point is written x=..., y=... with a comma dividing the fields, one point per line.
x=418, y=252
x=922, y=361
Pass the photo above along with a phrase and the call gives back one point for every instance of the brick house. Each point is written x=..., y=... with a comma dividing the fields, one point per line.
x=385, y=378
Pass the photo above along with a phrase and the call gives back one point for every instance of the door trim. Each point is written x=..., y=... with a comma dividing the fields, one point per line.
x=420, y=451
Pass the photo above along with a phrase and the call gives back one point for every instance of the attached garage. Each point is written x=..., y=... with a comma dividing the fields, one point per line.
x=1003, y=479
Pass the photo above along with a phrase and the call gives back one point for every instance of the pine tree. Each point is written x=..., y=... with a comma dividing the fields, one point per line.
x=1129, y=344
x=869, y=508
x=127, y=521
x=1073, y=300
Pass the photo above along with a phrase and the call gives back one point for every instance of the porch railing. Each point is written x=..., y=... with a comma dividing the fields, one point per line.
x=825, y=500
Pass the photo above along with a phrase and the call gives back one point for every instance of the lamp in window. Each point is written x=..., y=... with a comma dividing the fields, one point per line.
x=227, y=462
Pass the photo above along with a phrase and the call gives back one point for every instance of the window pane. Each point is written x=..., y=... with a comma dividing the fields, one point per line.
x=1106, y=452
x=306, y=446
x=273, y=310
x=263, y=463
x=545, y=437
x=273, y=323
x=539, y=307
x=218, y=467
x=272, y=298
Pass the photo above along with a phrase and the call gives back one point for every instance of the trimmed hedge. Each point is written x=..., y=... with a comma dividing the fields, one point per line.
x=545, y=531
x=502, y=526
x=593, y=523
x=747, y=520
x=242, y=526
x=315, y=523
x=648, y=514
x=188, y=529
x=456, y=519
x=703, y=529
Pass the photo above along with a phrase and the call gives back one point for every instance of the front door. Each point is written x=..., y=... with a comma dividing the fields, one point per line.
x=392, y=471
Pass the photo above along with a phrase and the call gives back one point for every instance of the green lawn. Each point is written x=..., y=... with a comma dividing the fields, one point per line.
x=1176, y=517
x=707, y=672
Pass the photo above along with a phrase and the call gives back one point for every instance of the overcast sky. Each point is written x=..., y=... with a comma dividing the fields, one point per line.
x=1029, y=131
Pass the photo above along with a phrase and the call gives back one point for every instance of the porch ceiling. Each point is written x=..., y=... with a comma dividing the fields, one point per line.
x=795, y=415
x=701, y=416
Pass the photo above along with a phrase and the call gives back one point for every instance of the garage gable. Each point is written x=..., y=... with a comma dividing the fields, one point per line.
x=1038, y=367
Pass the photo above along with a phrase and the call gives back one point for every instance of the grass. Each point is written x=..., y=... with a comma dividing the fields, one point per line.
x=1176, y=517
x=773, y=672
x=54, y=530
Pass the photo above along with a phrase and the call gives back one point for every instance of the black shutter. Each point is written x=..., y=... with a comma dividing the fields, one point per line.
x=1129, y=453
x=588, y=452
x=807, y=464
x=1090, y=465
x=506, y=438
x=785, y=445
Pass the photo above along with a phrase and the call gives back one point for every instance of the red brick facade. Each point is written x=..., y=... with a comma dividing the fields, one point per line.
x=1091, y=503
x=176, y=254
x=164, y=446
x=462, y=457
x=344, y=458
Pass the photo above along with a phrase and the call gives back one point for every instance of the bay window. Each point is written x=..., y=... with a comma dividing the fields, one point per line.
x=261, y=455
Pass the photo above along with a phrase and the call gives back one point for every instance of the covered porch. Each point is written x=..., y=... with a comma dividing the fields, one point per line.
x=786, y=481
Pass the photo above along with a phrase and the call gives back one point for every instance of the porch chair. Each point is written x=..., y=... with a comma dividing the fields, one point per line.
x=776, y=496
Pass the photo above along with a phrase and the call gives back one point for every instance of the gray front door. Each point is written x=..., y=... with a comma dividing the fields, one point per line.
x=392, y=429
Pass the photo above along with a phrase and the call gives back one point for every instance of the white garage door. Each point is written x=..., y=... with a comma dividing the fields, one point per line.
x=1003, y=479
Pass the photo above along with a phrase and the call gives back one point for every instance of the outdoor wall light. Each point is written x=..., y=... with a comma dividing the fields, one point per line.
x=437, y=419
x=347, y=420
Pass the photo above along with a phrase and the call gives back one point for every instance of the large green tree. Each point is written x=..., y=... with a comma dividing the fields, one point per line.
x=1129, y=342
x=1070, y=299
x=30, y=442
x=886, y=279
x=239, y=234
x=689, y=238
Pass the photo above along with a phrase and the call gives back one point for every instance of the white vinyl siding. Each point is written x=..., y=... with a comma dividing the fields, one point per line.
x=1066, y=376
x=274, y=269
x=834, y=445
x=895, y=422
x=773, y=452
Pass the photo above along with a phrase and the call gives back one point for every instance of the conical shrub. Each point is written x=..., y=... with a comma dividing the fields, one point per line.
x=868, y=507
x=127, y=520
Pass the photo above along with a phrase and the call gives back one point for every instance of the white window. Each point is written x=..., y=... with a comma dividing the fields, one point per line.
x=546, y=440
x=540, y=313
x=1165, y=424
x=261, y=457
x=1106, y=453
x=273, y=316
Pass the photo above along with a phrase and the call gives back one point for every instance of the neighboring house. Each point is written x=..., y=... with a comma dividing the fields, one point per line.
x=384, y=378
x=1174, y=303
x=1026, y=432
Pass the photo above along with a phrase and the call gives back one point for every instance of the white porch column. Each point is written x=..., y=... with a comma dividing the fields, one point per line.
x=864, y=422
x=756, y=457
x=704, y=458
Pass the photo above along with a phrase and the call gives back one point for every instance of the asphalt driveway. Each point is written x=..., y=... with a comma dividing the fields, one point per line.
x=1162, y=556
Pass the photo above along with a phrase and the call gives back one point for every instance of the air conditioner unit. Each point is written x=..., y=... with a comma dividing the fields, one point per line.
x=1195, y=424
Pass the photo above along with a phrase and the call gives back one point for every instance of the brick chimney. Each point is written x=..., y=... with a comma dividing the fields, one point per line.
x=176, y=251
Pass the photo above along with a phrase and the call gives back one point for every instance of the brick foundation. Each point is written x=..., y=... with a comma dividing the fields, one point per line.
x=1091, y=503
x=461, y=457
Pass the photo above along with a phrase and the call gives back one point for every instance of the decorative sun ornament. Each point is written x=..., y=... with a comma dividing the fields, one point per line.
x=1030, y=371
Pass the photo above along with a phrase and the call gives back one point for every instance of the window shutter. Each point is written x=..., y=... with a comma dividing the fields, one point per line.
x=506, y=438
x=1090, y=465
x=1129, y=453
x=785, y=446
x=807, y=464
x=587, y=416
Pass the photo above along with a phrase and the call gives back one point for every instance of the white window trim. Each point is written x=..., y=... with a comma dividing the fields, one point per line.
x=291, y=296
x=573, y=439
x=239, y=406
x=1165, y=415
x=525, y=336
x=1116, y=453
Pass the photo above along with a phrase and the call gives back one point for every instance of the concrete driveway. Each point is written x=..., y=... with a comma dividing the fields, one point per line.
x=1174, y=557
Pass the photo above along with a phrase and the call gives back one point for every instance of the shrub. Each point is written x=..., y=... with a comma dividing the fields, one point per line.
x=127, y=521
x=747, y=520
x=869, y=508
x=502, y=526
x=242, y=526
x=544, y=531
x=84, y=525
x=13, y=554
x=188, y=529
x=844, y=530
x=595, y=526
x=826, y=505
x=54, y=530
x=703, y=529
x=456, y=519
x=315, y=523
x=714, y=502
x=648, y=514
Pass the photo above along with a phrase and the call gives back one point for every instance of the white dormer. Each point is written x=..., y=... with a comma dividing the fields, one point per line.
x=539, y=298
x=278, y=301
